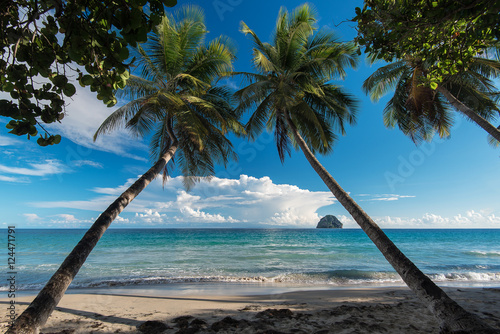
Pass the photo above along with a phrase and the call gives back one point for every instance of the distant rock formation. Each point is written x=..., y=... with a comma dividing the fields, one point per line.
x=329, y=221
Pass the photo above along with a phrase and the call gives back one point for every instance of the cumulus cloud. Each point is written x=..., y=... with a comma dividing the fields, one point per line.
x=252, y=200
x=31, y=217
x=150, y=216
x=67, y=217
x=200, y=216
x=247, y=200
x=468, y=219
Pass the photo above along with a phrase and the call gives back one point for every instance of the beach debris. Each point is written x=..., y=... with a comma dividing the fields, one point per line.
x=152, y=327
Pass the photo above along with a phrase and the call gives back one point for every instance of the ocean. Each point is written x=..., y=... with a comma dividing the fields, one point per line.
x=299, y=258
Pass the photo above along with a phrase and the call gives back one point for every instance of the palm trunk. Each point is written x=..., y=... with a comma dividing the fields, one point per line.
x=475, y=117
x=37, y=313
x=452, y=317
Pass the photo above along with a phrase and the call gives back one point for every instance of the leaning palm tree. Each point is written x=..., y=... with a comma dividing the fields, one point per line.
x=420, y=111
x=292, y=93
x=175, y=100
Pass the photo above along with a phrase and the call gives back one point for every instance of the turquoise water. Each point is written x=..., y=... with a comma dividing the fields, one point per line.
x=305, y=257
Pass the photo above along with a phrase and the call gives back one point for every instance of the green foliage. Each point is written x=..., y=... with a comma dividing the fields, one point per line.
x=447, y=34
x=41, y=41
x=294, y=79
x=175, y=99
x=420, y=111
x=415, y=108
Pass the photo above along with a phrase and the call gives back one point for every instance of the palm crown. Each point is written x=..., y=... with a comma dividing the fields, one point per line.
x=175, y=99
x=420, y=111
x=293, y=79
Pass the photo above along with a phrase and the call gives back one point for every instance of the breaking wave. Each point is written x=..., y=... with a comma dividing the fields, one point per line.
x=341, y=278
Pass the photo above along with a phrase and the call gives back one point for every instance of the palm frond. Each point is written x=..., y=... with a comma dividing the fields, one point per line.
x=248, y=77
x=258, y=119
x=252, y=94
x=281, y=137
x=420, y=121
x=137, y=87
x=292, y=72
x=120, y=117
x=335, y=105
x=213, y=61
x=247, y=31
x=383, y=80
x=176, y=99
x=149, y=70
x=312, y=135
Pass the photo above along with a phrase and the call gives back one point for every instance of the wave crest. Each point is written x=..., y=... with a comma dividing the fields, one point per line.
x=339, y=278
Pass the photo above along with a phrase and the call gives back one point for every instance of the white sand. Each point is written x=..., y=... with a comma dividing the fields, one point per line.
x=375, y=310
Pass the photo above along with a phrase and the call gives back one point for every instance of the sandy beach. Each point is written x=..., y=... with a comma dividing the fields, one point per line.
x=370, y=310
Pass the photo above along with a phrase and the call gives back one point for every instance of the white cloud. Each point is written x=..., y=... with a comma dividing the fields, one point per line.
x=469, y=219
x=247, y=200
x=8, y=141
x=40, y=169
x=150, y=216
x=114, y=191
x=204, y=217
x=121, y=219
x=80, y=163
x=31, y=217
x=57, y=221
x=383, y=197
x=14, y=179
x=84, y=115
x=98, y=204
x=66, y=217
x=291, y=216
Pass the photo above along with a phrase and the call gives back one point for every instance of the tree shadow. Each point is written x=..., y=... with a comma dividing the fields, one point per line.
x=264, y=299
x=91, y=315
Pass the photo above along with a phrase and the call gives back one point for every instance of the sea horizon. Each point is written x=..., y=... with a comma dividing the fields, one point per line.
x=251, y=258
x=250, y=228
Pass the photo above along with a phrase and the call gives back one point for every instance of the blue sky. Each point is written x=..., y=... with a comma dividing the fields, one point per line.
x=451, y=183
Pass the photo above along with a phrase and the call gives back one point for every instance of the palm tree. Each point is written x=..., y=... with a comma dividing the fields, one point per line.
x=173, y=98
x=292, y=93
x=420, y=111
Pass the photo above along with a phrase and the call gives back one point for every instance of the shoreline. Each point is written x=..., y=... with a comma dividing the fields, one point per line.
x=250, y=286
x=345, y=310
